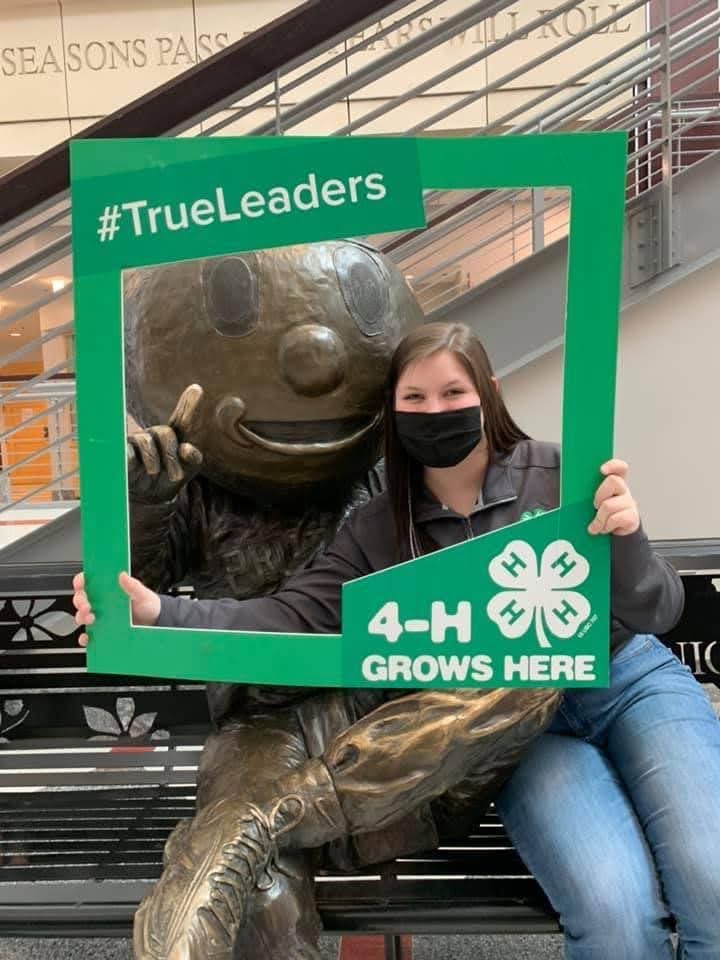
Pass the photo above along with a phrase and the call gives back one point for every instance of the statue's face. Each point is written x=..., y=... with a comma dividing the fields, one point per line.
x=291, y=347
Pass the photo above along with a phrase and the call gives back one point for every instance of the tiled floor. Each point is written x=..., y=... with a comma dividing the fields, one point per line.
x=425, y=948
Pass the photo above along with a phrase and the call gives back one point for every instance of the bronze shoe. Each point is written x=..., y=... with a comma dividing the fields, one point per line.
x=213, y=864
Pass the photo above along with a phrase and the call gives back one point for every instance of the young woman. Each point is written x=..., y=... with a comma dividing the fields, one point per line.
x=608, y=806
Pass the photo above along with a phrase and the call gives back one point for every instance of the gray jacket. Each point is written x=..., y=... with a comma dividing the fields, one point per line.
x=646, y=592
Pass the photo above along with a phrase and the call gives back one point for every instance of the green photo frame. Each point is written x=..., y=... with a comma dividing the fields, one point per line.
x=526, y=605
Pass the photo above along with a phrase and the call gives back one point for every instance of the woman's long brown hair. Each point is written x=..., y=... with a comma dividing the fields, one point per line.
x=404, y=475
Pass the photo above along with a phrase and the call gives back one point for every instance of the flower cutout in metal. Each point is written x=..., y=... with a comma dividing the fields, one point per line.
x=543, y=594
x=38, y=622
x=109, y=727
x=12, y=714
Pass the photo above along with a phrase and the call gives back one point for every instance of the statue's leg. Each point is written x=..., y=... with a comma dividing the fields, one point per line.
x=412, y=833
x=404, y=754
x=283, y=922
x=196, y=908
x=423, y=766
x=414, y=748
x=400, y=756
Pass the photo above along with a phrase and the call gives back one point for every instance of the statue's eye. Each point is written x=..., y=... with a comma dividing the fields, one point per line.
x=364, y=287
x=231, y=296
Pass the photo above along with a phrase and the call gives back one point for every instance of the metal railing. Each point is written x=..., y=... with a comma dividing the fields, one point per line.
x=660, y=84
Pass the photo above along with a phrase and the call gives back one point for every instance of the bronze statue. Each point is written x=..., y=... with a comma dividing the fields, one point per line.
x=279, y=359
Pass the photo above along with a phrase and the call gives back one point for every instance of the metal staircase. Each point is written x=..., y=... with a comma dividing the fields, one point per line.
x=317, y=70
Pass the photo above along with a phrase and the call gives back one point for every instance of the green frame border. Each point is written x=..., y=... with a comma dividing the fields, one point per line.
x=591, y=166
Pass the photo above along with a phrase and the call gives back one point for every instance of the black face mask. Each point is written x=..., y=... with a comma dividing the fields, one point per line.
x=440, y=439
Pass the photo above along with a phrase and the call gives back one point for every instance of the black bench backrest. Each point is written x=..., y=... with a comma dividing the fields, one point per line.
x=696, y=639
x=96, y=727
x=96, y=770
x=99, y=726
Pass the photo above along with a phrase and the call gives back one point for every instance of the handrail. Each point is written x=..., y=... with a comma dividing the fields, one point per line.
x=247, y=62
x=681, y=46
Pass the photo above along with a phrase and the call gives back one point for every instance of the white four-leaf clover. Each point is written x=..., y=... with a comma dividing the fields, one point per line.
x=546, y=596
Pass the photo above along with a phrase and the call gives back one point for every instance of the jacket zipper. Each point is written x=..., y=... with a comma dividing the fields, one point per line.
x=497, y=503
x=483, y=508
x=494, y=503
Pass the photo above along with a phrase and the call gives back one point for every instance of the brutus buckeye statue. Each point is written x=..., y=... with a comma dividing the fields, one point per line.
x=256, y=381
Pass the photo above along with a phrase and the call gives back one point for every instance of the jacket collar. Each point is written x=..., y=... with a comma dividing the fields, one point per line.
x=497, y=488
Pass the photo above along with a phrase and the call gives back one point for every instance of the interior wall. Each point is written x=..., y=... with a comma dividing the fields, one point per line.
x=668, y=391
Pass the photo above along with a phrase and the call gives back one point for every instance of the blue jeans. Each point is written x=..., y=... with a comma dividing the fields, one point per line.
x=616, y=810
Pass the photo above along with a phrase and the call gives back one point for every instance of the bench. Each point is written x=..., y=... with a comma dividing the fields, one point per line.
x=96, y=771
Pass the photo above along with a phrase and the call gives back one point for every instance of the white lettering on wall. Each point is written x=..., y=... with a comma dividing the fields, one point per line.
x=127, y=53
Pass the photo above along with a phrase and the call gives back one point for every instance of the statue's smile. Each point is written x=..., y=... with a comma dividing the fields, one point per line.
x=253, y=433
x=292, y=437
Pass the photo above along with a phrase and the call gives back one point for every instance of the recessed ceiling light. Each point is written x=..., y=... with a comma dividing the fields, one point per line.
x=15, y=333
x=58, y=284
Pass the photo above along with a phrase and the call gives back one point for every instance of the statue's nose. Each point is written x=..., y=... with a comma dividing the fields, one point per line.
x=312, y=359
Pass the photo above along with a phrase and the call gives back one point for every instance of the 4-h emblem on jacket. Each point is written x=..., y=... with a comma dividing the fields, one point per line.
x=542, y=592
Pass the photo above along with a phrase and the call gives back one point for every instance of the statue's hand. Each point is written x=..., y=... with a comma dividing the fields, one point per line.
x=161, y=460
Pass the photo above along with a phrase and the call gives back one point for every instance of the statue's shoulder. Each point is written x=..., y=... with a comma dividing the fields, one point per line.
x=371, y=521
x=376, y=480
x=365, y=490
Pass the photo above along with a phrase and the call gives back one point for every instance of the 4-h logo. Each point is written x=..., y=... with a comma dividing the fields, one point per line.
x=543, y=593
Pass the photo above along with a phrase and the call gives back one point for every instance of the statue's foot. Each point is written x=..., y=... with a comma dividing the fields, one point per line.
x=213, y=865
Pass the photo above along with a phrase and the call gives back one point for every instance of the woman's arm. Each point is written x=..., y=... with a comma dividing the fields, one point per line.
x=309, y=602
x=647, y=595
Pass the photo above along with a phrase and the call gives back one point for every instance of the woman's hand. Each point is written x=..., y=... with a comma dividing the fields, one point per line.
x=617, y=511
x=144, y=603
